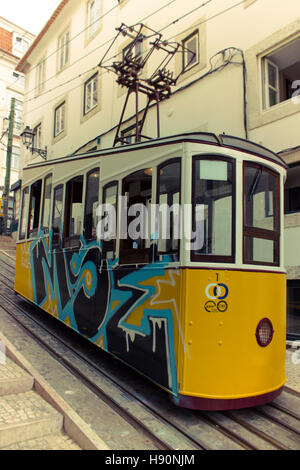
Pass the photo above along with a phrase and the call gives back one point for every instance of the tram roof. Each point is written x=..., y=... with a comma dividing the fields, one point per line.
x=223, y=140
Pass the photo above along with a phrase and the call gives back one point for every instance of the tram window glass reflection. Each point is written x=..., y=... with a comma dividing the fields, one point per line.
x=259, y=200
x=110, y=198
x=25, y=205
x=91, y=204
x=213, y=204
x=46, y=204
x=135, y=245
x=34, y=208
x=57, y=214
x=168, y=200
x=261, y=215
x=73, y=211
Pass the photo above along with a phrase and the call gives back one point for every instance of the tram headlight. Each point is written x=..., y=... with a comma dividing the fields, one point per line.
x=264, y=332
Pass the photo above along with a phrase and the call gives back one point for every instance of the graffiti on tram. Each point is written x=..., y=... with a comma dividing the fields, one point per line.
x=129, y=312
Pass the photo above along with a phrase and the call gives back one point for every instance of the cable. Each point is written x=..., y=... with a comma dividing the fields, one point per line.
x=103, y=44
x=169, y=24
x=98, y=47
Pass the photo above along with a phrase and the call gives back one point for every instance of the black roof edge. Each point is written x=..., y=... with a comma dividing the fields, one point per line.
x=16, y=185
x=225, y=140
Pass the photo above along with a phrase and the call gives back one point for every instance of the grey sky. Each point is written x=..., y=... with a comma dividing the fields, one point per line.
x=28, y=14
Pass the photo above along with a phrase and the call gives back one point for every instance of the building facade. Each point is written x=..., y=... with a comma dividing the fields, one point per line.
x=14, y=42
x=239, y=75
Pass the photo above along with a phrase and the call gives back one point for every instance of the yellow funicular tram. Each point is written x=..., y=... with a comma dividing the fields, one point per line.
x=201, y=311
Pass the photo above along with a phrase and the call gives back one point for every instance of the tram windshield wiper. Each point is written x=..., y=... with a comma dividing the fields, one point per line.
x=255, y=184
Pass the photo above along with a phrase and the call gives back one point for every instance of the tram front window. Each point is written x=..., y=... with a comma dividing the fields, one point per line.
x=213, y=191
x=261, y=215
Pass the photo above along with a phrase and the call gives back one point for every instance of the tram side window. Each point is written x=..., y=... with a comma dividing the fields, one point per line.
x=109, y=220
x=213, y=205
x=168, y=199
x=73, y=211
x=34, y=208
x=91, y=204
x=57, y=215
x=46, y=204
x=135, y=243
x=261, y=215
x=24, y=214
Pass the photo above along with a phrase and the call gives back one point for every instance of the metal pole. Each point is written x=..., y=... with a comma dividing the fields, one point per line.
x=8, y=159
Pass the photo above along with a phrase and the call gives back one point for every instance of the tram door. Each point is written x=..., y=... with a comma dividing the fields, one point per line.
x=87, y=283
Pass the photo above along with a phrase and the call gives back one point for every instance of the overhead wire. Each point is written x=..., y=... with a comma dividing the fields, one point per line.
x=165, y=27
x=94, y=50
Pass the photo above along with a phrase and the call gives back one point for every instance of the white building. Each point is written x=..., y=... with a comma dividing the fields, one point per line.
x=243, y=80
x=14, y=42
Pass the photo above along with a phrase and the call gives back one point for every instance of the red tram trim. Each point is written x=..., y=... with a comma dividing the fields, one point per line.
x=214, y=404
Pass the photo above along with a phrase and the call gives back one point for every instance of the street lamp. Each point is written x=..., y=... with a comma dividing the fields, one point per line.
x=28, y=140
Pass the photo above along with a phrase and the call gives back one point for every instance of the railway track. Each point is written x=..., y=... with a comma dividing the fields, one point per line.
x=147, y=408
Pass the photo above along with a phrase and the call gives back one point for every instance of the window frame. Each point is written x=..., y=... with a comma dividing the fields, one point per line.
x=23, y=216
x=158, y=177
x=57, y=237
x=59, y=118
x=267, y=85
x=186, y=67
x=216, y=258
x=32, y=233
x=133, y=255
x=106, y=244
x=40, y=76
x=93, y=27
x=72, y=241
x=86, y=199
x=261, y=233
x=46, y=229
x=91, y=80
x=63, y=50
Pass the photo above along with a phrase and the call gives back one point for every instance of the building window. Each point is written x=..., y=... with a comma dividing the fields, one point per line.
x=59, y=119
x=128, y=135
x=134, y=49
x=19, y=79
x=21, y=44
x=280, y=73
x=93, y=17
x=292, y=199
x=40, y=76
x=18, y=117
x=37, y=138
x=63, y=50
x=90, y=94
x=91, y=204
x=15, y=157
x=190, y=51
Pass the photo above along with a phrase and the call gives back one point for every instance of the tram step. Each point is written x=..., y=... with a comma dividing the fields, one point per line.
x=26, y=416
x=52, y=442
x=13, y=379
